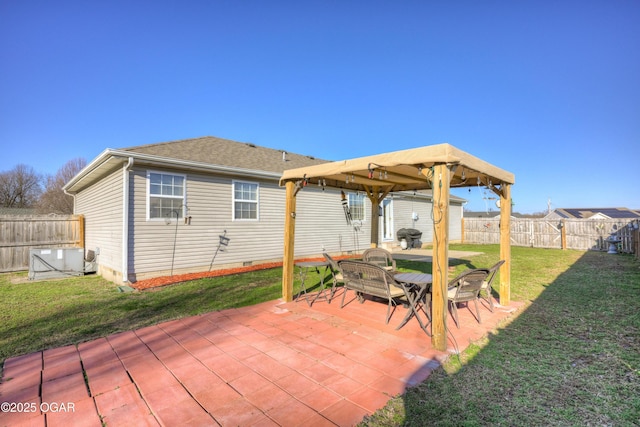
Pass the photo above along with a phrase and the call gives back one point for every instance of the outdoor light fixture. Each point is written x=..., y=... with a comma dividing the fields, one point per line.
x=382, y=171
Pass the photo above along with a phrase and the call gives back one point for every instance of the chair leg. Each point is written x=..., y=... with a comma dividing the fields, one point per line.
x=388, y=312
x=344, y=293
x=454, y=313
x=477, y=310
x=333, y=290
x=489, y=299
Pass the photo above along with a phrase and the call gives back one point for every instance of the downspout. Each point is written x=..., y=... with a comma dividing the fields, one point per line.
x=74, y=199
x=125, y=220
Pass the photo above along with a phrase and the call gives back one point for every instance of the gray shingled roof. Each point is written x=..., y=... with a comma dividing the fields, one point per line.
x=224, y=152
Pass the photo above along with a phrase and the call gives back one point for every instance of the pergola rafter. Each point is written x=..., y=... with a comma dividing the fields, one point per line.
x=436, y=167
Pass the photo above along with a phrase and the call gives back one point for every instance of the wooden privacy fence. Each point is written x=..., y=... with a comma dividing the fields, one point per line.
x=582, y=234
x=18, y=234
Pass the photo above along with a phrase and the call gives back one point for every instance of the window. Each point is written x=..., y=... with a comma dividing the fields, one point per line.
x=356, y=206
x=245, y=200
x=166, y=194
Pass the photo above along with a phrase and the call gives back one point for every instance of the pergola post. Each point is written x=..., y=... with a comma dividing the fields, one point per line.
x=375, y=196
x=505, y=244
x=289, y=239
x=440, y=266
x=375, y=220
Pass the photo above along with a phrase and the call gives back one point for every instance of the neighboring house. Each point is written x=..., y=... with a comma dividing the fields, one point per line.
x=593, y=213
x=158, y=209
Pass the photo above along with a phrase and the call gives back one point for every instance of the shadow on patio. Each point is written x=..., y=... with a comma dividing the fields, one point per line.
x=569, y=358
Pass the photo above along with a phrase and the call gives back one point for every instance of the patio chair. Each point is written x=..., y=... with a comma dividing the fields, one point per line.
x=486, y=285
x=465, y=288
x=380, y=257
x=336, y=274
x=366, y=278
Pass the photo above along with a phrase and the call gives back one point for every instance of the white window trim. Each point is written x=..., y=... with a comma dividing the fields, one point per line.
x=364, y=206
x=233, y=200
x=184, y=193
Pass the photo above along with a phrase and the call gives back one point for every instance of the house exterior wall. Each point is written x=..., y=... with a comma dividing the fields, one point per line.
x=102, y=206
x=455, y=222
x=405, y=206
x=320, y=226
x=157, y=248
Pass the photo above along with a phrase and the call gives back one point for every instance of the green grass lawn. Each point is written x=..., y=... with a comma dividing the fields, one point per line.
x=571, y=357
x=40, y=315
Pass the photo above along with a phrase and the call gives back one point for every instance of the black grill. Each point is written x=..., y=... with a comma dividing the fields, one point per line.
x=411, y=235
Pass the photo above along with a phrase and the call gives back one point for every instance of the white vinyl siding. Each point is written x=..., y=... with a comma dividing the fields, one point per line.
x=320, y=225
x=246, y=200
x=165, y=195
x=101, y=205
x=405, y=205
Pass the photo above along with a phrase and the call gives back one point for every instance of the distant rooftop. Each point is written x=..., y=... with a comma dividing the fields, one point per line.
x=585, y=213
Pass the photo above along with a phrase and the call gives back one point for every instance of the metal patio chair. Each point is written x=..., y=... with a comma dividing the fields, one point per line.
x=465, y=288
x=380, y=257
x=486, y=285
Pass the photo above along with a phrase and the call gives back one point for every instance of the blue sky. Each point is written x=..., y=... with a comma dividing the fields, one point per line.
x=548, y=90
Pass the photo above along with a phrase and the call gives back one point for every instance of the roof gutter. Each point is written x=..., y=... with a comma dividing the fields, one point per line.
x=102, y=157
x=109, y=153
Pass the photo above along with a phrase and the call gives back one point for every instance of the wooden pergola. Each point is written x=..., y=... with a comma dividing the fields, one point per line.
x=436, y=167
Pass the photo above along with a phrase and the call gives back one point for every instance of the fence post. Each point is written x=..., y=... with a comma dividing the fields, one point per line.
x=81, y=230
x=563, y=234
x=462, y=231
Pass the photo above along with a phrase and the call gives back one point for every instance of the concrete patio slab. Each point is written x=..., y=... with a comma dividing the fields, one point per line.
x=272, y=364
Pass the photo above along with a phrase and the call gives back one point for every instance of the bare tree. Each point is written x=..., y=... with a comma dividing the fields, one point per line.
x=54, y=200
x=20, y=187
